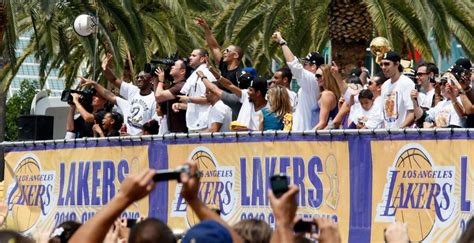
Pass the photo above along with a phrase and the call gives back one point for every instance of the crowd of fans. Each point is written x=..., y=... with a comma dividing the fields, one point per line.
x=196, y=97
x=107, y=226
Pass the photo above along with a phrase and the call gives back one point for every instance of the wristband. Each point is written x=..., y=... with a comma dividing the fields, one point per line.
x=188, y=100
x=283, y=43
x=203, y=77
x=462, y=91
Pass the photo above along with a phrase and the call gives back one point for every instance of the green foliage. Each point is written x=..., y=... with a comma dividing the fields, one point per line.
x=19, y=104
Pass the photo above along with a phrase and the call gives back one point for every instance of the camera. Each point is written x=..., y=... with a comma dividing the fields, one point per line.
x=303, y=226
x=170, y=174
x=85, y=97
x=279, y=184
x=164, y=63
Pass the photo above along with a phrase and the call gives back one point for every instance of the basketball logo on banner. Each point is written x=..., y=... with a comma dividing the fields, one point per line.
x=216, y=187
x=30, y=196
x=417, y=192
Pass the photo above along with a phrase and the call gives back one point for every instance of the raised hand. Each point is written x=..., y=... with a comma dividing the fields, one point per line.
x=107, y=62
x=277, y=37
x=202, y=23
x=137, y=186
x=160, y=74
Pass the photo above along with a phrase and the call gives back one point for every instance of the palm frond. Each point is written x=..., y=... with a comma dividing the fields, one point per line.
x=440, y=26
x=404, y=19
x=377, y=9
x=236, y=14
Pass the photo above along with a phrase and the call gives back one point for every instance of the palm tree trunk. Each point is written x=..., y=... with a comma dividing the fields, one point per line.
x=3, y=96
x=348, y=55
x=350, y=27
x=3, y=99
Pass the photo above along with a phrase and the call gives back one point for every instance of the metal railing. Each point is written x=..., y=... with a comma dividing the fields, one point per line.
x=317, y=133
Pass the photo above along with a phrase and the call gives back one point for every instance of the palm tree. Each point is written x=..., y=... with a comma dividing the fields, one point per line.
x=349, y=25
x=132, y=30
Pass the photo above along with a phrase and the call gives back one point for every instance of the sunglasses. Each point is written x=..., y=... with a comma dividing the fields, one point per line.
x=385, y=64
x=318, y=75
x=420, y=74
x=227, y=50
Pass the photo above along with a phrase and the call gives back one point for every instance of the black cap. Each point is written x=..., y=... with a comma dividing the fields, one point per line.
x=260, y=84
x=391, y=56
x=457, y=71
x=464, y=62
x=314, y=58
x=244, y=79
x=356, y=72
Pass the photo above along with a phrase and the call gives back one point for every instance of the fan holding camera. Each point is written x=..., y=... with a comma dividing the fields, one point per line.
x=91, y=109
x=449, y=112
x=288, y=227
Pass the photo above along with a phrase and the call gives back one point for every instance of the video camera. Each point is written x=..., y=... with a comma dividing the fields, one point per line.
x=85, y=98
x=164, y=63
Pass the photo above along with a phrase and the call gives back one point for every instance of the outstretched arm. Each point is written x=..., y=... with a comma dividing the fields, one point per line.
x=225, y=82
x=289, y=57
x=109, y=73
x=133, y=188
x=190, y=194
x=210, y=86
x=161, y=94
x=210, y=39
x=284, y=209
x=107, y=94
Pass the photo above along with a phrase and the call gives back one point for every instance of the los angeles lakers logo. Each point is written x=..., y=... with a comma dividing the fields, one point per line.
x=417, y=192
x=216, y=189
x=30, y=197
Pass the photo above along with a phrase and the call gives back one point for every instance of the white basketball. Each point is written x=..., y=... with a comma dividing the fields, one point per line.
x=84, y=25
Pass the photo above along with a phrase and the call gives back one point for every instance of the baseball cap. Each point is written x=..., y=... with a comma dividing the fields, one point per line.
x=260, y=84
x=244, y=79
x=251, y=71
x=464, y=62
x=392, y=56
x=207, y=231
x=356, y=72
x=314, y=58
x=457, y=71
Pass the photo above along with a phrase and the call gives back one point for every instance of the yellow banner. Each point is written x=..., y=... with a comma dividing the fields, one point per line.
x=428, y=185
x=236, y=179
x=47, y=187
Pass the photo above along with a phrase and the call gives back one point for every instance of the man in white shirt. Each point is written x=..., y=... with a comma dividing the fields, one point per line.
x=283, y=77
x=425, y=76
x=253, y=100
x=305, y=116
x=194, y=91
x=220, y=115
x=138, y=105
x=397, y=105
x=447, y=113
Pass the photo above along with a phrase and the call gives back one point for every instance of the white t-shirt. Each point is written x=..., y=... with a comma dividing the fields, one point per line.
x=372, y=118
x=444, y=114
x=293, y=99
x=247, y=115
x=196, y=114
x=427, y=99
x=396, y=101
x=220, y=113
x=305, y=116
x=137, y=109
x=162, y=122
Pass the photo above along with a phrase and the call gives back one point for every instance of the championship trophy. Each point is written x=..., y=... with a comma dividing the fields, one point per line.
x=379, y=46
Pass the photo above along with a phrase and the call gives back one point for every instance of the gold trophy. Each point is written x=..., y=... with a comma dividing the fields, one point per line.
x=331, y=171
x=379, y=46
